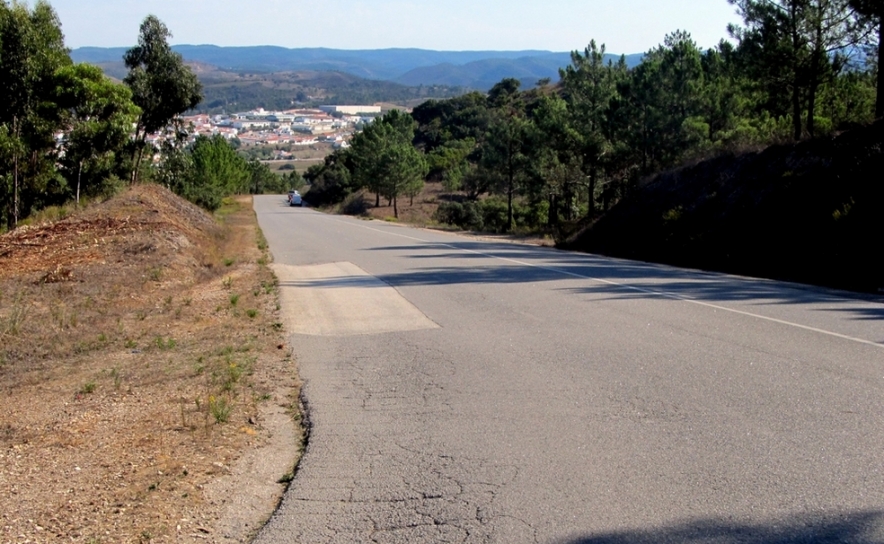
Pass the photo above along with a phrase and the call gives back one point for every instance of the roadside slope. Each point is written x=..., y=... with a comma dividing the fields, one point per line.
x=808, y=212
x=140, y=366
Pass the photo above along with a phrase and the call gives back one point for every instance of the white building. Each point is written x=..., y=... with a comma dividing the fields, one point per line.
x=351, y=110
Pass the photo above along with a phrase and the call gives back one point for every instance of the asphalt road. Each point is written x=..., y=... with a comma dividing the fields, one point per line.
x=514, y=394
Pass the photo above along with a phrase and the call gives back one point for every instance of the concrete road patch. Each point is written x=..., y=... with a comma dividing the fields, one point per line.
x=341, y=299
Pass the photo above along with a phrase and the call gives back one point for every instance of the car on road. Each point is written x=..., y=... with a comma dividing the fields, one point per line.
x=295, y=199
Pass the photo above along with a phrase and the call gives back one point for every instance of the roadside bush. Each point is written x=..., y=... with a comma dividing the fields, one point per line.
x=490, y=215
x=466, y=216
x=494, y=215
x=354, y=204
x=532, y=215
x=449, y=213
x=329, y=183
x=472, y=218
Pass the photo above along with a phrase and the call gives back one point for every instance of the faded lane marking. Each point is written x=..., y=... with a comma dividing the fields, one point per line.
x=341, y=299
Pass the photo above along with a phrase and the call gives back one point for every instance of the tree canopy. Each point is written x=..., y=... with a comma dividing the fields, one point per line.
x=555, y=155
x=162, y=85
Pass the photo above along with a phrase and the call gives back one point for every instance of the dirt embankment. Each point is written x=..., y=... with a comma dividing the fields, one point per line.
x=810, y=212
x=143, y=376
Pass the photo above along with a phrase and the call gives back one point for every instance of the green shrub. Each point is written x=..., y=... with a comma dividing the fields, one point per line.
x=532, y=215
x=449, y=213
x=494, y=215
x=467, y=215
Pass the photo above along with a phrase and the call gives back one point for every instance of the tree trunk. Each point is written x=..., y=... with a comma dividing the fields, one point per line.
x=796, y=109
x=590, y=210
x=15, y=192
x=377, y=199
x=552, y=218
x=79, y=176
x=814, y=83
x=879, y=101
x=140, y=140
x=13, y=217
x=509, y=207
x=395, y=208
x=645, y=139
x=137, y=165
x=812, y=87
x=796, y=73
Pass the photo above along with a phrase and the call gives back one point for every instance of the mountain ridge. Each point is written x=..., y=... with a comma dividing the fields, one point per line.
x=407, y=66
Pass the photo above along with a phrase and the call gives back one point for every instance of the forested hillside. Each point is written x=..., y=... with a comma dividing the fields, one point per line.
x=559, y=157
x=227, y=91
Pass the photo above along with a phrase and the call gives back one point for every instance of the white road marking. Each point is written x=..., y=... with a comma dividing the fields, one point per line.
x=341, y=299
x=655, y=292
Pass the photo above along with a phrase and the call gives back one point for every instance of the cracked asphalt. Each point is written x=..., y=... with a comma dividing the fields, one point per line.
x=575, y=399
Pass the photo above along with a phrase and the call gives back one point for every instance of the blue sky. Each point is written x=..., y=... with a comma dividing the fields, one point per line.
x=626, y=26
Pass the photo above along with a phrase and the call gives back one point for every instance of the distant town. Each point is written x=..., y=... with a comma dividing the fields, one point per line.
x=296, y=127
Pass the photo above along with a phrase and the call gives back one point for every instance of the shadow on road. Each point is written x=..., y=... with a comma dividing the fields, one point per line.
x=849, y=528
x=614, y=278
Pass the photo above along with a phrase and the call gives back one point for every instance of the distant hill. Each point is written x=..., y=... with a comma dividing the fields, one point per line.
x=483, y=74
x=412, y=67
x=226, y=91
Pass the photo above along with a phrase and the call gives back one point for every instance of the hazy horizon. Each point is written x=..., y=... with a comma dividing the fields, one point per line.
x=625, y=26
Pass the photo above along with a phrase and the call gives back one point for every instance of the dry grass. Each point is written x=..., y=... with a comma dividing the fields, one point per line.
x=419, y=213
x=300, y=165
x=129, y=377
x=422, y=214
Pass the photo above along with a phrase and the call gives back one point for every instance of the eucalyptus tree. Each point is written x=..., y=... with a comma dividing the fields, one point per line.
x=162, y=85
x=97, y=120
x=31, y=51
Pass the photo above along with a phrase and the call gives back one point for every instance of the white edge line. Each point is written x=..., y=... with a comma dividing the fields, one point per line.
x=634, y=288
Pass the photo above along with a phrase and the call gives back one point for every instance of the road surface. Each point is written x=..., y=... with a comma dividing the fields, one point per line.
x=462, y=390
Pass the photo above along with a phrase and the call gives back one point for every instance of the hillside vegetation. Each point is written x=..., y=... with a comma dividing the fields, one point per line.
x=557, y=157
x=139, y=359
x=226, y=91
x=810, y=212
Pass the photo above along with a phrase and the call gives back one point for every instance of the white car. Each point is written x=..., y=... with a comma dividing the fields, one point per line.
x=295, y=199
